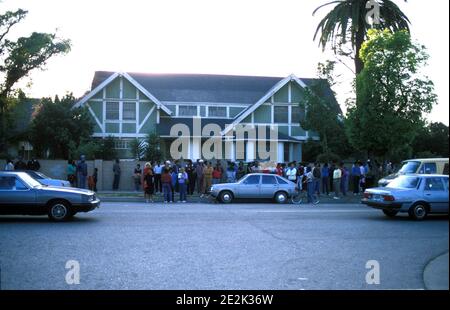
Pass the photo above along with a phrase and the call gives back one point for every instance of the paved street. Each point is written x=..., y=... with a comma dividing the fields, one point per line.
x=215, y=246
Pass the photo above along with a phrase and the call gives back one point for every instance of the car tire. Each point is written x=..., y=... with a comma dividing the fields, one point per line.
x=226, y=196
x=418, y=211
x=281, y=197
x=59, y=211
x=390, y=213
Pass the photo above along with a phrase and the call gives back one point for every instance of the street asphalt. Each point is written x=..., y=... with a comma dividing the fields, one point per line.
x=215, y=246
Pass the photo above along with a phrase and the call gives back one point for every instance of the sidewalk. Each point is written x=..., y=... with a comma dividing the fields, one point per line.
x=435, y=274
x=133, y=196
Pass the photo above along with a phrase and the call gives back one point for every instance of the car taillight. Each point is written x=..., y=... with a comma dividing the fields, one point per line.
x=367, y=195
x=388, y=198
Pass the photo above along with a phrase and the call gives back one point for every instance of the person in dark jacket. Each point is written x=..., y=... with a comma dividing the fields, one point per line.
x=33, y=164
x=166, y=181
x=82, y=172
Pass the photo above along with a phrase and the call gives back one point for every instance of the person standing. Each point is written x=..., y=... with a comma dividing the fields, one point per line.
x=20, y=164
x=157, y=177
x=191, y=178
x=199, y=178
x=216, y=175
x=362, y=179
x=291, y=173
x=137, y=176
x=116, y=172
x=240, y=171
x=325, y=179
x=182, y=184
x=82, y=172
x=231, y=173
x=207, y=178
x=317, y=177
x=337, y=174
x=356, y=175
x=148, y=183
x=95, y=179
x=166, y=181
x=9, y=165
x=344, y=179
x=310, y=186
x=71, y=171
x=33, y=164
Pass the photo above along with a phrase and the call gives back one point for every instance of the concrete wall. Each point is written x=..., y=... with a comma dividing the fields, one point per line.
x=57, y=169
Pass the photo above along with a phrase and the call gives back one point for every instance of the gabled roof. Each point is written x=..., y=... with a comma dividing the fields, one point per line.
x=200, y=87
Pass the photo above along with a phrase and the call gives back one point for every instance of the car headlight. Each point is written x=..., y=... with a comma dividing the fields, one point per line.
x=211, y=188
x=91, y=198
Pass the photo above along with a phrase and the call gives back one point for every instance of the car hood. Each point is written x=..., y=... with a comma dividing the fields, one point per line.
x=69, y=190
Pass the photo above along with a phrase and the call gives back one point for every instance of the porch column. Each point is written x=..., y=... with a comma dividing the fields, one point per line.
x=195, y=149
x=280, y=152
x=230, y=150
x=250, y=151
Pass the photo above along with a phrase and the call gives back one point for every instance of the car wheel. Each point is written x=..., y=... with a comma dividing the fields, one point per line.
x=226, y=197
x=59, y=211
x=390, y=213
x=418, y=212
x=281, y=197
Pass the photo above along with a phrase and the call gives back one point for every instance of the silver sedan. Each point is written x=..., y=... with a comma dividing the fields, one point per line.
x=255, y=185
x=417, y=195
x=21, y=194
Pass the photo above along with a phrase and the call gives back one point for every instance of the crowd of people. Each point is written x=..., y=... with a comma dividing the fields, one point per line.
x=187, y=177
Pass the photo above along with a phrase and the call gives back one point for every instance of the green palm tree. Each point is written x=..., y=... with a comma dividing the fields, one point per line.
x=347, y=22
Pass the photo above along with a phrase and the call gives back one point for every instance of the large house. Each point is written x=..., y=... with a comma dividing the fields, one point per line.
x=132, y=105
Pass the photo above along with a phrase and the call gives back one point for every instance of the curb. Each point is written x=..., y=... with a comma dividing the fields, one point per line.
x=435, y=274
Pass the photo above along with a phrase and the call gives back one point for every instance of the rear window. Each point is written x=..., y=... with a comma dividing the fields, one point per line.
x=404, y=182
x=268, y=179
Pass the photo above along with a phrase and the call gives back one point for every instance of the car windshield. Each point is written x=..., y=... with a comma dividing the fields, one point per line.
x=29, y=180
x=409, y=167
x=404, y=182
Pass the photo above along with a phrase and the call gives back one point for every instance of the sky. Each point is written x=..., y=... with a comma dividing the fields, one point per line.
x=241, y=37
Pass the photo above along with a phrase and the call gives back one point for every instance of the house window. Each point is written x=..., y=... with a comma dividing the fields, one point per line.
x=202, y=111
x=112, y=111
x=217, y=111
x=129, y=111
x=281, y=114
x=286, y=152
x=187, y=110
x=298, y=114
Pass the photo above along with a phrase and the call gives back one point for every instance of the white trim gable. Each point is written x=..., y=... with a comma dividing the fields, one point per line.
x=132, y=81
x=100, y=87
x=261, y=101
x=146, y=92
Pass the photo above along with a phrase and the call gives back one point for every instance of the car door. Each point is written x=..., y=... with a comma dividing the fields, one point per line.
x=436, y=194
x=15, y=195
x=250, y=187
x=269, y=186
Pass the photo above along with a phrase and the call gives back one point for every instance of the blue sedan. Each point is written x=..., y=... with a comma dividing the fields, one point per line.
x=417, y=195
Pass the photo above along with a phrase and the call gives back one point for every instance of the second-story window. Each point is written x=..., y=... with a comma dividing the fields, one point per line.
x=112, y=111
x=217, y=111
x=281, y=114
x=187, y=110
x=129, y=111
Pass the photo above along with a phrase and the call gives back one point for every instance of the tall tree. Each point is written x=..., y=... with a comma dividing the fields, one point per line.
x=392, y=94
x=348, y=21
x=58, y=128
x=18, y=58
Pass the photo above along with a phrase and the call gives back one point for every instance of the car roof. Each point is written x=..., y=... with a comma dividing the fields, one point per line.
x=425, y=175
x=427, y=160
x=13, y=172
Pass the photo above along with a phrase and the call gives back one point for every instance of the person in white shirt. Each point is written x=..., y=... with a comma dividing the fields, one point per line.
x=9, y=165
x=337, y=174
x=291, y=173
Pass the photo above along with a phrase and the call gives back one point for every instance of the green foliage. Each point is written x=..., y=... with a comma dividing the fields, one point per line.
x=153, y=148
x=108, y=149
x=346, y=22
x=58, y=128
x=391, y=94
x=323, y=114
x=431, y=141
x=310, y=150
x=18, y=58
x=328, y=158
x=137, y=148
